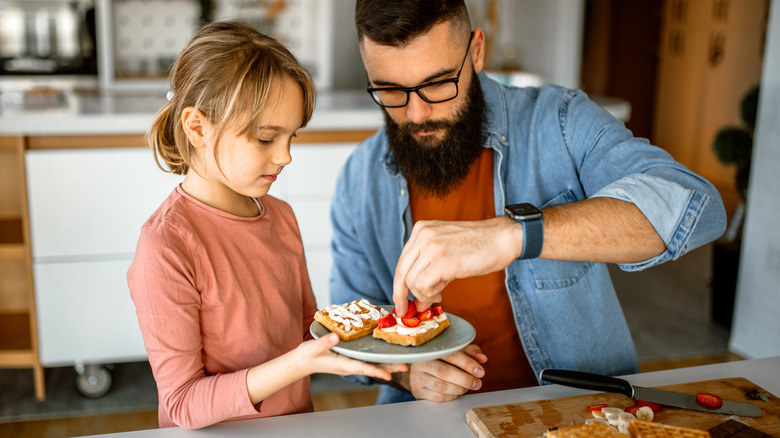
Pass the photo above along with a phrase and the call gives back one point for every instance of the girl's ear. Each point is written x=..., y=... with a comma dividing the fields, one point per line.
x=195, y=126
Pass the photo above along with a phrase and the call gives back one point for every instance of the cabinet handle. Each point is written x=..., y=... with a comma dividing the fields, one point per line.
x=720, y=10
x=676, y=42
x=680, y=10
x=717, y=49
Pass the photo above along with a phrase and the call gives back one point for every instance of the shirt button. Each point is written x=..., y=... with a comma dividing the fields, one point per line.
x=403, y=192
x=503, y=138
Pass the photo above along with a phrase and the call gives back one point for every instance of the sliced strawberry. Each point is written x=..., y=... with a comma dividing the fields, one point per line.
x=437, y=310
x=632, y=409
x=411, y=322
x=411, y=310
x=386, y=321
x=654, y=406
x=425, y=314
x=597, y=408
x=709, y=400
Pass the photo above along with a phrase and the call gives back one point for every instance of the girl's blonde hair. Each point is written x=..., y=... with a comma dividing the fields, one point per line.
x=225, y=72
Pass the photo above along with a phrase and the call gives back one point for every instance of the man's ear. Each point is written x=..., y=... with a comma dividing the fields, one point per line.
x=195, y=126
x=478, y=50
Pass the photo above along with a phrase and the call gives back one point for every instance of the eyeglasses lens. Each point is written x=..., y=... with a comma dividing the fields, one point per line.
x=434, y=93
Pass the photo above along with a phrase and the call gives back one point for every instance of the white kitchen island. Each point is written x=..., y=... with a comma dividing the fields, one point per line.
x=429, y=419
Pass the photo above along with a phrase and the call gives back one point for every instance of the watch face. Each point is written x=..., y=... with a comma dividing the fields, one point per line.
x=523, y=211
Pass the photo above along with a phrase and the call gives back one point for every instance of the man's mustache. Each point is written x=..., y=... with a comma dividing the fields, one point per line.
x=410, y=128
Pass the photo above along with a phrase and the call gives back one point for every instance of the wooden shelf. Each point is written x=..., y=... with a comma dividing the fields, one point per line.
x=12, y=247
x=15, y=328
x=12, y=252
x=11, y=231
x=18, y=343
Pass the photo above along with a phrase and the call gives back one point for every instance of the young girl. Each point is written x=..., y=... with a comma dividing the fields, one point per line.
x=219, y=277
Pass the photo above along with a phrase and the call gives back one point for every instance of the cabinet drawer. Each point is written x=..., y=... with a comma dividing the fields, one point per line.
x=85, y=312
x=85, y=202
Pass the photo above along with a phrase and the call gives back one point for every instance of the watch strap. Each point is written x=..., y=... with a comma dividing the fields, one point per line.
x=533, y=237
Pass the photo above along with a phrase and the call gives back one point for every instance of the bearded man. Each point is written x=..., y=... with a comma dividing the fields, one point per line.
x=504, y=204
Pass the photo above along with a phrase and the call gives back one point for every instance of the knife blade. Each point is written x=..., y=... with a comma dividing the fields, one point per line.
x=598, y=382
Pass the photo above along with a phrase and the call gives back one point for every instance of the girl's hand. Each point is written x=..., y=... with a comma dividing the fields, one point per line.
x=318, y=358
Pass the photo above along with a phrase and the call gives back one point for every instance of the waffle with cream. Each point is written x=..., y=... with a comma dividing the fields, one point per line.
x=413, y=329
x=351, y=320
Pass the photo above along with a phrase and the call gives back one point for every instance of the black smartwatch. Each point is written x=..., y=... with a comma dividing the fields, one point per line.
x=533, y=232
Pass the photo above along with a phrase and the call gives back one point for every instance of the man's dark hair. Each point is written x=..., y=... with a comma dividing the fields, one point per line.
x=396, y=22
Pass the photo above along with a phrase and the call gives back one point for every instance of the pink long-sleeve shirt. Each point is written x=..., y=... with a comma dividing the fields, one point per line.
x=215, y=295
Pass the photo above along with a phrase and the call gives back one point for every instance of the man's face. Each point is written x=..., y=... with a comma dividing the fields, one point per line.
x=443, y=136
x=436, y=164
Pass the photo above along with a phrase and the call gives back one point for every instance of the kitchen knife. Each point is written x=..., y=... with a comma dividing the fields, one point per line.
x=597, y=382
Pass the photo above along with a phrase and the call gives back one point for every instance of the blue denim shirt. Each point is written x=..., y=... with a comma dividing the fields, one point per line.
x=551, y=146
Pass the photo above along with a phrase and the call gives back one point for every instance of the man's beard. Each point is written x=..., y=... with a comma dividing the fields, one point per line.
x=436, y=166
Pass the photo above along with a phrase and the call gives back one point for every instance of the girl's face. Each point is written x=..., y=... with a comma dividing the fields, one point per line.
x=251, y=162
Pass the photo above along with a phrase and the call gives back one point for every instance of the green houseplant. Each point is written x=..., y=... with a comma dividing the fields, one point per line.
x=733, y=146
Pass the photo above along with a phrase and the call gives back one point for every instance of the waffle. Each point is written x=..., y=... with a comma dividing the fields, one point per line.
x=645, y=429
x=595, y=430
x=352, y=320
x=419, y=335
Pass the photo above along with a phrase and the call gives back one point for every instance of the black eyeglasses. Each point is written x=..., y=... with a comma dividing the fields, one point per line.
x=432, y=92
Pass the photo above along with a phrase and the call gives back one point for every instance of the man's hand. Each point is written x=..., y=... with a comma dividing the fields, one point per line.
x=438, y=252
x=448, y=378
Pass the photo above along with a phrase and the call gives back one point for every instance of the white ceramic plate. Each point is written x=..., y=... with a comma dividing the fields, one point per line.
x=370, y=349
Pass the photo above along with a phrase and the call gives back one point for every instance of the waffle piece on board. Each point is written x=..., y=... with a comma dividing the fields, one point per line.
x=646, y=429
x=735, y=429
x=595, y=430
x=352, y=320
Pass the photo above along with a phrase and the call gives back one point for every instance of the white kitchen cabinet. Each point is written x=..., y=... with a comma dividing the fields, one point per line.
x=89, y=204
x=85, y=313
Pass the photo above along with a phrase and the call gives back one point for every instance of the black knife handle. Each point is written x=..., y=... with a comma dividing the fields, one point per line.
x=583, y=380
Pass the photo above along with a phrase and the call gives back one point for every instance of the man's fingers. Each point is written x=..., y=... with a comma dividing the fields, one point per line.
x=474, y=351
x=406, y=262
x=421, y=305
x=467, y=363
x=440, y=381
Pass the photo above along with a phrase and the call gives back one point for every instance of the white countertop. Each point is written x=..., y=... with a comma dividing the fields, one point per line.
x=119, y=113
x=424, y=418
x=132, y=113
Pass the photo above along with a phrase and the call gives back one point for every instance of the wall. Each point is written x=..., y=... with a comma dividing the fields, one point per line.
x=547, y=36
x=757, y=308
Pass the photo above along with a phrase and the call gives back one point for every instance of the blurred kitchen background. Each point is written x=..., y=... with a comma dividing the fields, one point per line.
x=80, y=81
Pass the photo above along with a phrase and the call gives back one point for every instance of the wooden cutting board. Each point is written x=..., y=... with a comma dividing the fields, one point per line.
x=532, y=419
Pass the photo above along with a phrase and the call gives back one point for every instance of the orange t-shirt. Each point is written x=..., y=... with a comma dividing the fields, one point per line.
x=483, y=300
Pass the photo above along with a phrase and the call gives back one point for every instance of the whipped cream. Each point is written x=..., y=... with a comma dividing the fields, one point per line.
x=354, y=313
x=424, y=326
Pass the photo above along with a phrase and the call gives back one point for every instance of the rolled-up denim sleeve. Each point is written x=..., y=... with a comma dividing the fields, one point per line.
x=684, y=217
x=684, y=208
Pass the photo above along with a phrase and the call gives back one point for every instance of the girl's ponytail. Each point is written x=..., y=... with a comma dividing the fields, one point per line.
x=162, y=139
